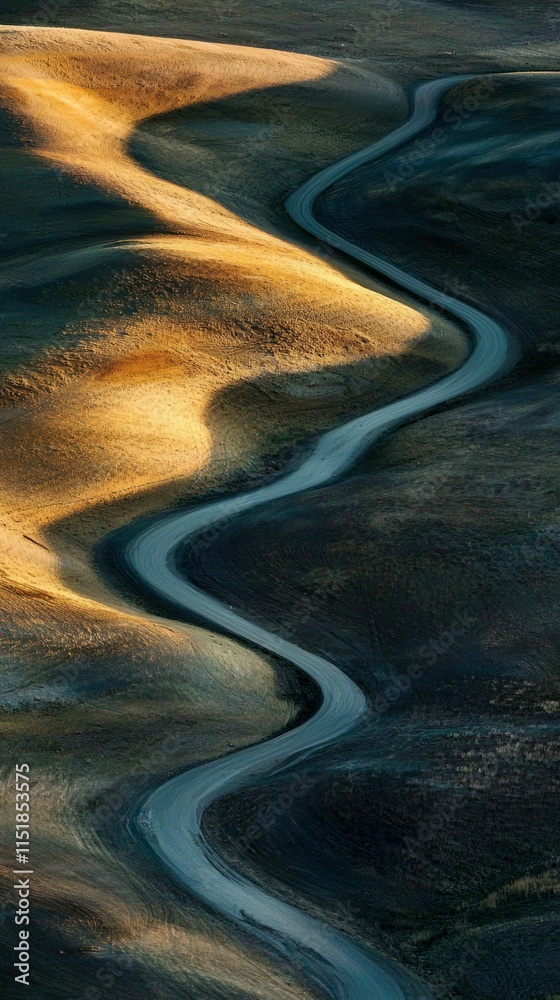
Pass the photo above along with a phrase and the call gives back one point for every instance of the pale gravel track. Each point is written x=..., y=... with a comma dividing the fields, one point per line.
x=171, y=817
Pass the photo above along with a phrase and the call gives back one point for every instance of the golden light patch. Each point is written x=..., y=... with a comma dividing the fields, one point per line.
x=146, y=366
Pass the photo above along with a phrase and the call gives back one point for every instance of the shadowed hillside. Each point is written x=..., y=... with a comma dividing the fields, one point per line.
x=431, y=576
x=136, y=308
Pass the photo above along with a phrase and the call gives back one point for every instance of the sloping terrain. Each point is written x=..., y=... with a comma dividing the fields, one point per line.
x=161, y=341
x=431, y=576
x=475, y=204
x=412, y=39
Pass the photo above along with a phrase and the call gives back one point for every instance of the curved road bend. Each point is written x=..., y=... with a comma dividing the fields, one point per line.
x=171, y=817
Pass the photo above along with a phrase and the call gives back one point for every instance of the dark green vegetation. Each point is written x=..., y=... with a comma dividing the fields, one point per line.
x=431, y=576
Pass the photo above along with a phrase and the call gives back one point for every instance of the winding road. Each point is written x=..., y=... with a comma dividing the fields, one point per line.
x=171, y=817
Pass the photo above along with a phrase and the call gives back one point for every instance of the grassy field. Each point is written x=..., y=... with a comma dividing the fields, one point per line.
x=169, y=334
x=410, y=39
x=474, y=205
x=431, y=575
x=166, y=335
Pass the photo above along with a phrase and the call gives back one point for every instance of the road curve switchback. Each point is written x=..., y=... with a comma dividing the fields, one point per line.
x=170, y=820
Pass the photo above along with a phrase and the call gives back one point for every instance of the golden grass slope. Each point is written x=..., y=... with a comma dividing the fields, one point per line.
x=156, y=344
x=122, y=344
x=412, y=38
x=85, y=94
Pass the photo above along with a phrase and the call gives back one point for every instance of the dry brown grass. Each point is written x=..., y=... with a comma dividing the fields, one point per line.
x=134, y=364
x=116, y=402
